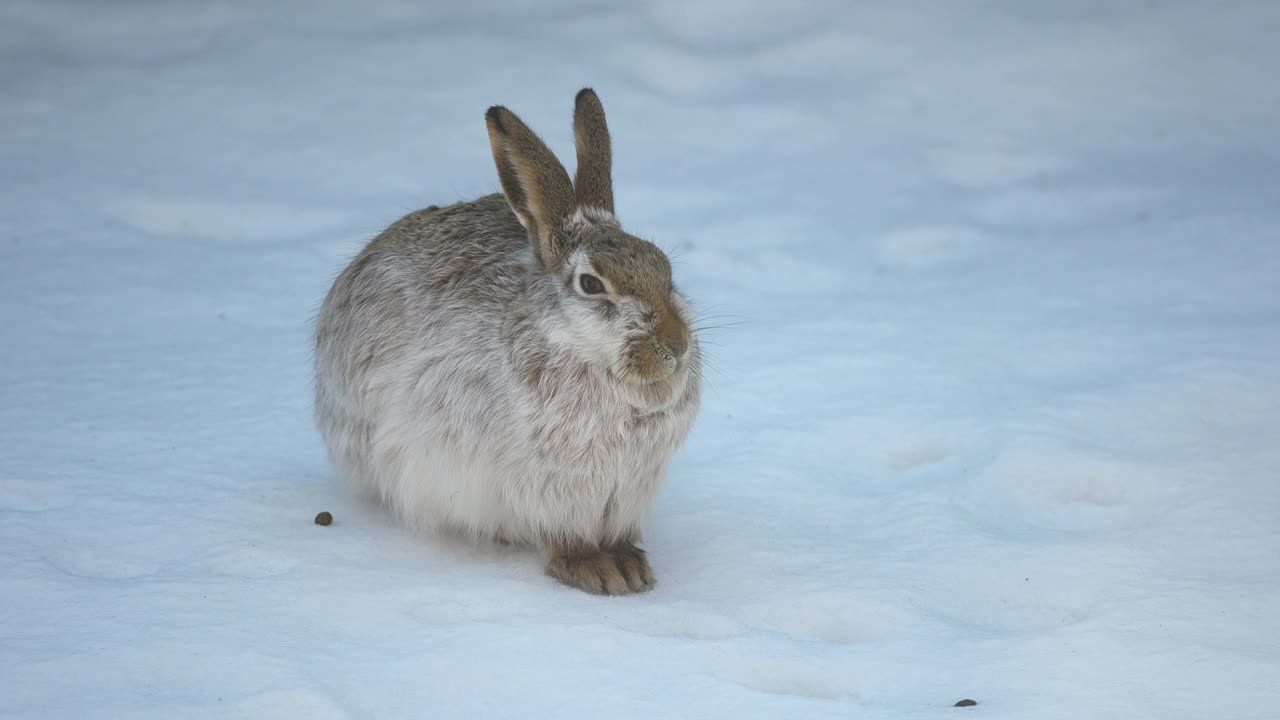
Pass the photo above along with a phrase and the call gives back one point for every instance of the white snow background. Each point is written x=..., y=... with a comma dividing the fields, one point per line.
x=999, y=419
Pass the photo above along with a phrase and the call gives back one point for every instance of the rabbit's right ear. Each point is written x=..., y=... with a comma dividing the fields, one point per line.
x=594, y=181
x=535, y=183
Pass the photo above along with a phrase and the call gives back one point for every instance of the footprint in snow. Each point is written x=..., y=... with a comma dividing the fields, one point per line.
x=1054, y=489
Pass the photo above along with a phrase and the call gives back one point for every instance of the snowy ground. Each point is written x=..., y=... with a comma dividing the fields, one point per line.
x=1000, y=421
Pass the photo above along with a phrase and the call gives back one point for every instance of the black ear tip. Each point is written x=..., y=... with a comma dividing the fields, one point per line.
x=583, y=94
x=494, y=115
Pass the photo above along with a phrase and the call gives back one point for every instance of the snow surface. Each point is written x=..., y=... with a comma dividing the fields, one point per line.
x=998, y=420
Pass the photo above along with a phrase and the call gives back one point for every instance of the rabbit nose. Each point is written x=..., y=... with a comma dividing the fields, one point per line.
x=670, y=352
x=670, y=338
x=677, y=347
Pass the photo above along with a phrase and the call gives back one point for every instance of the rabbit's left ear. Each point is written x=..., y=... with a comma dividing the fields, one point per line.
x=535, y=183
x=593, y=183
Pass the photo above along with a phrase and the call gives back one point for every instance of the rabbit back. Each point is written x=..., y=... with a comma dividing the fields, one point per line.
x=415, y=318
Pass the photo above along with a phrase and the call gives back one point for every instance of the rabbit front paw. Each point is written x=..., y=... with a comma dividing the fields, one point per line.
x=618, y=570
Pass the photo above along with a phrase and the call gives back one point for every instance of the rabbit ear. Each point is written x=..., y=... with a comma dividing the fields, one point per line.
x=535, y=183
x=593, y=183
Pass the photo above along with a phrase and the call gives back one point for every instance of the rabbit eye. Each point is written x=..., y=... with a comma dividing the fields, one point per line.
x=590, y=284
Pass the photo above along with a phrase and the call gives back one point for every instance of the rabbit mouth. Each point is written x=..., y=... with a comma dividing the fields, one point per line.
x=651, y=394
x=632, y=377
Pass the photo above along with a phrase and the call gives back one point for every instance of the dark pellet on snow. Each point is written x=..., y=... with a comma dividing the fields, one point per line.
x=324, y=518
x=966, y=703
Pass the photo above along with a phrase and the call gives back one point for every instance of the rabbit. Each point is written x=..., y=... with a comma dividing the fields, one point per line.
x=515, y=367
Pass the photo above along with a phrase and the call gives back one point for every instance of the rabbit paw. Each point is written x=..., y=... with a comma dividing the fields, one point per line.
x=618, y=570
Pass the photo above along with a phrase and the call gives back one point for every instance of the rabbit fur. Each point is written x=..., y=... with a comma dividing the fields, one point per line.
x=469, y=376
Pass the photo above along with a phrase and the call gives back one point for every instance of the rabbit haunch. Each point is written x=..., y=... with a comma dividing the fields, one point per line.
x=466, y=377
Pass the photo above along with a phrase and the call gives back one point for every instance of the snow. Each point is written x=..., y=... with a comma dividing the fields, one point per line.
x=993, y=416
